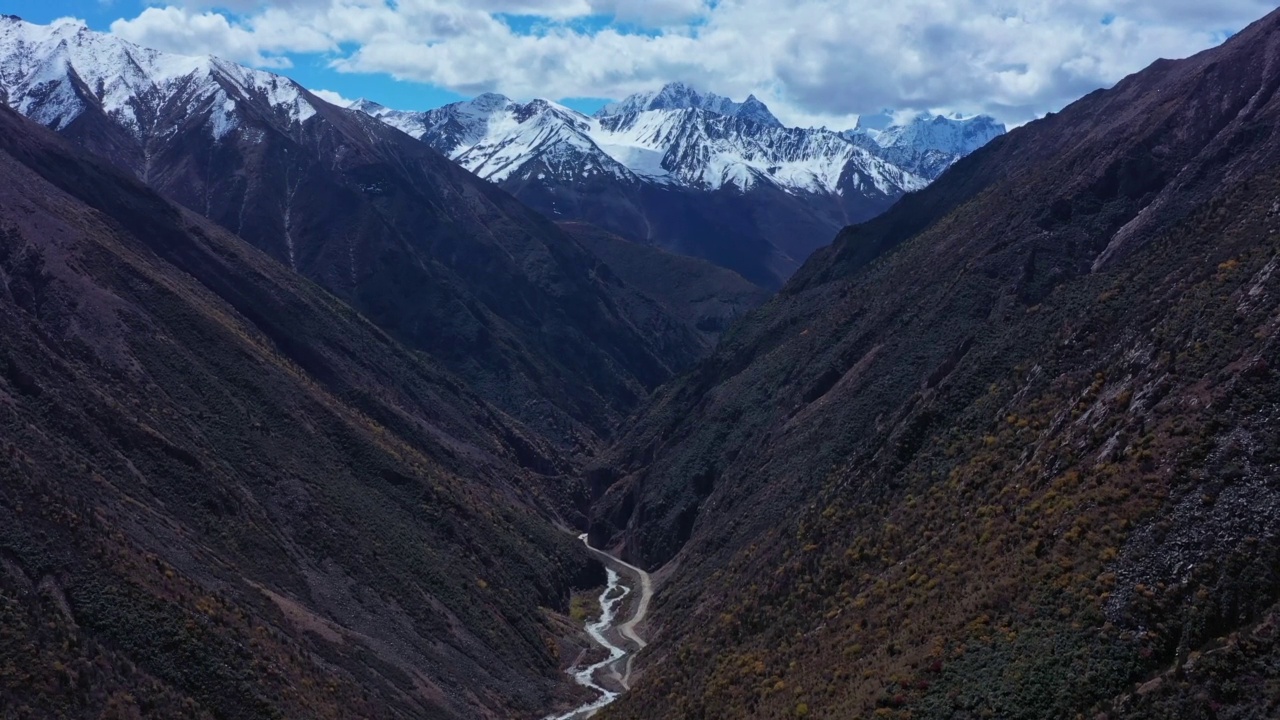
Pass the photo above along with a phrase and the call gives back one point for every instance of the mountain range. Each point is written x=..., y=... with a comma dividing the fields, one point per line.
x=697, y=174
x=300, y=417
x=447, y=264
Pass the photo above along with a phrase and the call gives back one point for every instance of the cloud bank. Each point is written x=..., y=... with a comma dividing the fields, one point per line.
x=814, y=61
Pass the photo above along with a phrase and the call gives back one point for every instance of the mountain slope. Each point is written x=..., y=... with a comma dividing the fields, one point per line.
x=449, y=265
x=707, y=297
x=696, y=174
x=1008, y=450
x=226, y=494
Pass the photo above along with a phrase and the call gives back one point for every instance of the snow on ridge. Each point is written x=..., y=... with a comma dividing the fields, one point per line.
x=131, y=84
x=675, y=136
x=957, y=134
x=681, y=96
x=710, y=151
x=929, y=144
x=513, y=136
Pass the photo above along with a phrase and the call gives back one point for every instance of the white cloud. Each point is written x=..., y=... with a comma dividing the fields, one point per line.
x=332, y=97
x=815, y=61
x=205, y=33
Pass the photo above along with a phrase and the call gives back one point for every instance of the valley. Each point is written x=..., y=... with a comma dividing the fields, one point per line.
x=618, y=663
x=506, y=410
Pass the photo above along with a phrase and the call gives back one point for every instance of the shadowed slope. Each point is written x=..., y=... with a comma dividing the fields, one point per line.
x=225, y=494
x=705, y=297
x=443, y=261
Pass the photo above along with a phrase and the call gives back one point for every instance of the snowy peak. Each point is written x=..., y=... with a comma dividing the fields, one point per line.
x=708, y=151
x=486, y=103
x=756, y=111
x=369, y=107
x=928, y=144
x=956, y=134
x=681, y=96
x=678, y=136
x=675, y=136
x=500, y=139
x=55, y=73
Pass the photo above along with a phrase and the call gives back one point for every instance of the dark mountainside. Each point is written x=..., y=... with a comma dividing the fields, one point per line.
x=707, y=297
x=763, y=234
x=693, y=174
x=1010, y=450
x=224, y=494
x=443, y=261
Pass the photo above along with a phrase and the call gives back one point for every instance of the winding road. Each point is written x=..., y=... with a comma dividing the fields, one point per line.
x=610, y=601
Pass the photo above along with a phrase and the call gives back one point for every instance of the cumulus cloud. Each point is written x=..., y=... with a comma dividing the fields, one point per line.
x=332, y=97
x=815, y=61
x=210, y=33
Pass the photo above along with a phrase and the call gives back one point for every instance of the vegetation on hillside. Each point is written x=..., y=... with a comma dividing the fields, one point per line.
x=1007, y=451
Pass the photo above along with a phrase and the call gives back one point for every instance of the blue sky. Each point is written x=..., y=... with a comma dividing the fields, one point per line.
x=815, y=62
x=310, y=69
x=313, y=69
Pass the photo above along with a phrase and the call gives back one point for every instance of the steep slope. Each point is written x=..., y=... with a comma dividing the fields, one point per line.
x=706, y=297
x=1008, y=450
x=226, y=494
x=696, y=174
x=447, y=264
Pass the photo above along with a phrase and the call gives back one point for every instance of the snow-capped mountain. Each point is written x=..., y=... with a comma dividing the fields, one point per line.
x=928, y=144
x=701, y=149
x=55, y=73
x=694, y=173
x=639, y=164
x=675, y=136
x=449, y=264
x=679, y=96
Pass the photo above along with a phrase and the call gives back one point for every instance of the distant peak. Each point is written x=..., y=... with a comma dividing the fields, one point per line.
x=678, y=86
x=67, y=22
x=680, y=95
x=675, y=96
x=755, y=110
x=954, y=118
x=490, y=99
x=367, y=106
